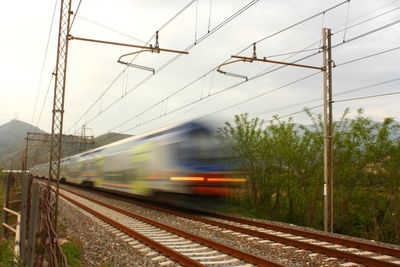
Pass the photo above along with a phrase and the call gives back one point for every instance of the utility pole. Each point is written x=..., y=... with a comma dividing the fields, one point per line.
x=328, y=142
x=58, y=103
x=328, y=132
x=45, y=138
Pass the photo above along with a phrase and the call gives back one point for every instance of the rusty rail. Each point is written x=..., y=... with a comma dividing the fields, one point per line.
x=163, y=249
x=291, y=242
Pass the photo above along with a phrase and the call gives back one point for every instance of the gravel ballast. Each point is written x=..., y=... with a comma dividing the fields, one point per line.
x=286, y=255
x=100, y=246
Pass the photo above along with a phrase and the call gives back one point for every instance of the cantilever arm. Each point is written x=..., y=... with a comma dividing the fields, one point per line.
x=136, y=65
x=230, y=73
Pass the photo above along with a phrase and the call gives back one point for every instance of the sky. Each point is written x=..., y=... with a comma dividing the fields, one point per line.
x=108, y=96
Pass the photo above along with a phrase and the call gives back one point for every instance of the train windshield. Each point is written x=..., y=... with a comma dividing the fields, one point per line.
x=199, y=148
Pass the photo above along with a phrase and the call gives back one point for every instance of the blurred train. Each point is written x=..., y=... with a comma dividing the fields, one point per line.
x=182, y=162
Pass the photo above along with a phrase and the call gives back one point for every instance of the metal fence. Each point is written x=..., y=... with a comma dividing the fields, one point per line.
x=27, y=214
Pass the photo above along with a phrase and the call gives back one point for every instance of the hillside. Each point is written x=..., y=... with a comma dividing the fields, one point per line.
x=14, y=131
x=12, y=145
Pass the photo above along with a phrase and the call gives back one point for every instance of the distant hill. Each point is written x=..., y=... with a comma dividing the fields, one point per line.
x=12, y=141
x=14, y=131
x=12, y=145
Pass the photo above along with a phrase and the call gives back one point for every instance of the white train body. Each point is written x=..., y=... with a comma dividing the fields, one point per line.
x=186, y=159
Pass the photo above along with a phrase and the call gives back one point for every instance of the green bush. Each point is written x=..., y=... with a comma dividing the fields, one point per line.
x=284, y=165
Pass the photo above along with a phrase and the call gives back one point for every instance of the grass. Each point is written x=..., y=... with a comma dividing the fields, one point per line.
x=7, y=254
x=6, y=246
x=73, y=252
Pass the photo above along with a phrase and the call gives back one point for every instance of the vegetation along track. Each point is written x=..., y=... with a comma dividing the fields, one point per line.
x=337, y=247
x=185, y=248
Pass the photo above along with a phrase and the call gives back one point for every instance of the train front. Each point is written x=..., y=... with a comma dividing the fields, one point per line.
x=202, y=165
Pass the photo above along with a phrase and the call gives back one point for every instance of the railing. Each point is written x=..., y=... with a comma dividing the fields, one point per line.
x=34, y=215
x=15, y=230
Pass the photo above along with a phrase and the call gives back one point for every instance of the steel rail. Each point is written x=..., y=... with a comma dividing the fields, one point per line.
x=318, y=236
x=206, y=242
x=182, y=259
x=368, y=261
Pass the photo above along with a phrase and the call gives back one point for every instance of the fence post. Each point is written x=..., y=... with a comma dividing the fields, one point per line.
x=24, y=210
x=30, y=248
x=7, y=183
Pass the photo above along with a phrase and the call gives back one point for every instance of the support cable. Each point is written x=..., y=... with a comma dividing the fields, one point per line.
x=319, y=99
x=44, y=101
x=257, y=76
x=195, y=24
x=209, y=17
x=365, y=97
x=112, y=29
x=52, y=75
x=119, y=75
x=43, y=64
x=347, y=21
x=177, y=56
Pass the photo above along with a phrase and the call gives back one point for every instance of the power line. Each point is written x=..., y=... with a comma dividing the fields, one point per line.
x=367, y=33
x=111, y=29
x=214, y=94
x=300, y=111
x=270, y=71
x=294, y=25
x=43, y=63
x=367, y=20
x=368, y=56
x=336, y=101
x=365, y=97
x=176, y=15
x=44, y=101
x=52, y=76
x=125, y=68
x=177, y=56
x=320, y=99
x=75, y=14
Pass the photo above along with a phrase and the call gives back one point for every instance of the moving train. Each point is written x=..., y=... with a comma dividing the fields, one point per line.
x=181, y=162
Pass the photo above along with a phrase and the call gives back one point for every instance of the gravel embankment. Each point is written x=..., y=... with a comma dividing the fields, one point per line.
x=100, y=246
x=285, y=255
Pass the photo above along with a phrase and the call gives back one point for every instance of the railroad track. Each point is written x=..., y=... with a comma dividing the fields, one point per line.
x=336, y=247
x=173, y=244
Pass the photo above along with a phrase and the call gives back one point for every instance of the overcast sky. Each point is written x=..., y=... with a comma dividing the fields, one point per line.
x=92, y=67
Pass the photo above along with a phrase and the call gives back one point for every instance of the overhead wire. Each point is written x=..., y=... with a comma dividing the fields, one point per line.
x=368, y=56
x=112, y=29
x=43, y=65
x=213, y=69
x=261, y=74
x=352, y=39
x=126, y=67
x=75, y=13
x=52, y=75
x=177, y=56
x=320, y=98
x=365, y=97
x=366, y=20
x=347, y=21
x=44, y=101
x=209, y=17
x=262, y=94
x=251, y=3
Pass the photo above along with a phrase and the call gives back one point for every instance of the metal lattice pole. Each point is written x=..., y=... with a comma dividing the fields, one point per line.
x=328, y=142
x=58, y=102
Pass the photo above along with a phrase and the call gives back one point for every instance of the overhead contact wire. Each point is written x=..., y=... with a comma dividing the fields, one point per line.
x=43, y=63
x=187, y=49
